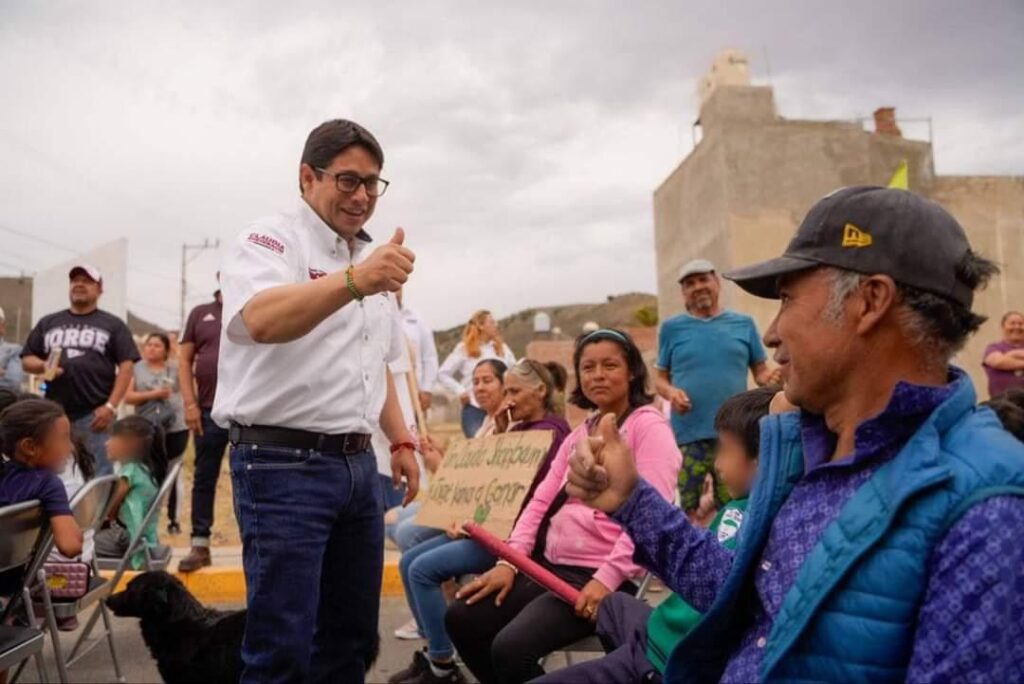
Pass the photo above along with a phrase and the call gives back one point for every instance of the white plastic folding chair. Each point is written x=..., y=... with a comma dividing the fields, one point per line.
x=23, y=528
x=89, y=508
x=155, y=559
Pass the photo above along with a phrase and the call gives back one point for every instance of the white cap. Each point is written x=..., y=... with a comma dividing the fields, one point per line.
x=694, y=267
x=88, y=269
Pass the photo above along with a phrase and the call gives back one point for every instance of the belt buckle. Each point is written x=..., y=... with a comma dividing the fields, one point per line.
x=346, y=446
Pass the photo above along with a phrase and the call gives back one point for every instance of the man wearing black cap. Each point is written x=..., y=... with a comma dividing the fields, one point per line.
x=97, y=356
x=303, y=381
x=882, y=540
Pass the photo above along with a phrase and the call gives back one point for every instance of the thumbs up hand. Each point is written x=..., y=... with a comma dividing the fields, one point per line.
x=387, y=268
x=602, y=472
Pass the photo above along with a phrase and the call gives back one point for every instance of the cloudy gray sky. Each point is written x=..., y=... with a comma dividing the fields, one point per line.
x=523, y=140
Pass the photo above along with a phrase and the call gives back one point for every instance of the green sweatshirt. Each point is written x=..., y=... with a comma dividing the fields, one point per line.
x=674, y=617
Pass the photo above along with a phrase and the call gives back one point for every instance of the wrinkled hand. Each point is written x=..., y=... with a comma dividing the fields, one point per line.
x=498, y=579
x=455, y=531
x=590, y=598
x=164, y=393
x=602, y=472
x=101, y=419
x=774, y=376
x=387, y=268
x=403, y=463
x=680, y=400
x=194, y=419
x=426, y=400
x=432, y=453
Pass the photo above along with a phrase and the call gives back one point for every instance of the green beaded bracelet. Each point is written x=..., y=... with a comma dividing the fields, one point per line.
x=351, y=283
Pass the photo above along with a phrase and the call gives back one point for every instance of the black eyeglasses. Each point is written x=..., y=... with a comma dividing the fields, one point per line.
x=350, y=182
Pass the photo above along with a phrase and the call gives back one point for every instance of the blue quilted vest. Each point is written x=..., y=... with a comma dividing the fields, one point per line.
x=851, y=613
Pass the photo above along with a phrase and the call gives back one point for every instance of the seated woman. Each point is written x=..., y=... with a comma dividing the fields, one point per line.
x=401, y=527
x=532, y=400
x=504, y=623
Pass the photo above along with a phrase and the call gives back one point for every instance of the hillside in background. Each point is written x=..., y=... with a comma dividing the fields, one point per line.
x=517, y=329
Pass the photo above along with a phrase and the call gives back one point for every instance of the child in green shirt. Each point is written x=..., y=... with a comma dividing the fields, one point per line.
x=137, y=446
x=638, y=638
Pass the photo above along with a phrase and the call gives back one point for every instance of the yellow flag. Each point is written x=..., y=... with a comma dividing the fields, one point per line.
x=899, y=179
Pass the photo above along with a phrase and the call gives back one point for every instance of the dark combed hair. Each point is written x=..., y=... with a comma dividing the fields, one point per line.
x=741, y=415
x=84, y=460
x=638, y=394
x=331, y=138
x=27, y=419
x=164, y=340
x=941, y=322
x=497, y=365
x=1009, y=406
x=559, y=376
x=154, y=450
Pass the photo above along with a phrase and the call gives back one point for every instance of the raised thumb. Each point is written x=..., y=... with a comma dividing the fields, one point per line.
x=399, y=236
x=608, y=429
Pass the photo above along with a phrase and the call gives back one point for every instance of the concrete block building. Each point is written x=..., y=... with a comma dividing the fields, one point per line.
x=740, y=194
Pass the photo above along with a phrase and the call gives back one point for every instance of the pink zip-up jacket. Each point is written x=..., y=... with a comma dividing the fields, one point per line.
x=582, y=536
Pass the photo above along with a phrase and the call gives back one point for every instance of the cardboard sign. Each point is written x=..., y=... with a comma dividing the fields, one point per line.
x=484, y=481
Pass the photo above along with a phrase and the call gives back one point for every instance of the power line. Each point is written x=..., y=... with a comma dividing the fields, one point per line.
x=44, y=241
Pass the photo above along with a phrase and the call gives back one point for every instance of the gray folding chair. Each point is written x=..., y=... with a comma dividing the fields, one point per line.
x=23, y=527
x=89, y=508
x=156, y=559
x=592, y=643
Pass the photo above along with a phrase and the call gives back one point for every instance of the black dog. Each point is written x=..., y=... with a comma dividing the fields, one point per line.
x=191, y=643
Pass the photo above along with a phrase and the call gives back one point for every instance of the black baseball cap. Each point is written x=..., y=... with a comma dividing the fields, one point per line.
x=869, y=230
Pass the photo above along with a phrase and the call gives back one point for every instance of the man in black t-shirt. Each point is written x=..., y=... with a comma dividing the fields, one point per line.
x=96, y=361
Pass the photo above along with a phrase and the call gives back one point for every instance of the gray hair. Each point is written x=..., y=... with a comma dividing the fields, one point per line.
x=936, y=326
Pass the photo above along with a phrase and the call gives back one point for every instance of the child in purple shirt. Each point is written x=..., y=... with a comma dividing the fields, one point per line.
x=35, y=436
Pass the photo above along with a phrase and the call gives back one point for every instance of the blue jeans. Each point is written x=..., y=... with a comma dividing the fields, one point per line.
x=95, y=442
x=472, y=420
x=313, y=553
x=424, y=568
x=408, y=534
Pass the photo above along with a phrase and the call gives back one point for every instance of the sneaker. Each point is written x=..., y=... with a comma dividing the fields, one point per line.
x=198, y=557
x=410, y=631
x=173, y=528
x=451, y=675
x=421, y=672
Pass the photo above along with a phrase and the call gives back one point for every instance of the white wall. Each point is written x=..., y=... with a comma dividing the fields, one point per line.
x=50, y=286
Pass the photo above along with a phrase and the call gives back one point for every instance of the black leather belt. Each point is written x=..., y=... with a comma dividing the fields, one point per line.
x=347, y=444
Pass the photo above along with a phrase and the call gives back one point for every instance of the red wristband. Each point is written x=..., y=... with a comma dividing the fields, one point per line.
x=395, y=448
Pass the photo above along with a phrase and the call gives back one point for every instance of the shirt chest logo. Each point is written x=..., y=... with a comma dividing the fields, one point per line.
x=266, y=242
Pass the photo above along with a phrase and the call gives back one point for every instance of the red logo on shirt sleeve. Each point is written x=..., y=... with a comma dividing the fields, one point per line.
x=316, y=273
x=267, y=242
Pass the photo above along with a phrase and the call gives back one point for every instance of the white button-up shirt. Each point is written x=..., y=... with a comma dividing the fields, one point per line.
x=333, y=379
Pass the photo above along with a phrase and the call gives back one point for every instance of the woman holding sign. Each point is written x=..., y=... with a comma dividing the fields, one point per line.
x=502, y=640
x=532, y=398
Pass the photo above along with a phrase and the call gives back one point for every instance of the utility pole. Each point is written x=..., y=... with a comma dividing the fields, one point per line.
x=185, y=248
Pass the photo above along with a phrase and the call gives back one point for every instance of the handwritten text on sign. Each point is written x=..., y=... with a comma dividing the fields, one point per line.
x=484, y=480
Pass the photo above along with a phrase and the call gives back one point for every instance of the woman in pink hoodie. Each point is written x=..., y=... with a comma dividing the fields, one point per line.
x=502, y=640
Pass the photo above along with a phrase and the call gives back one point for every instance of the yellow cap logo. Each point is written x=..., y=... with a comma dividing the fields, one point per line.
x=855, y=237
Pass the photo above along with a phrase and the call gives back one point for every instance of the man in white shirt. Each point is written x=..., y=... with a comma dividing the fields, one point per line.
x=302, y=380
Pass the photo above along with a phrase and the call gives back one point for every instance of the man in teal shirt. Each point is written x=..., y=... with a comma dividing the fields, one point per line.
x=703, y=358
